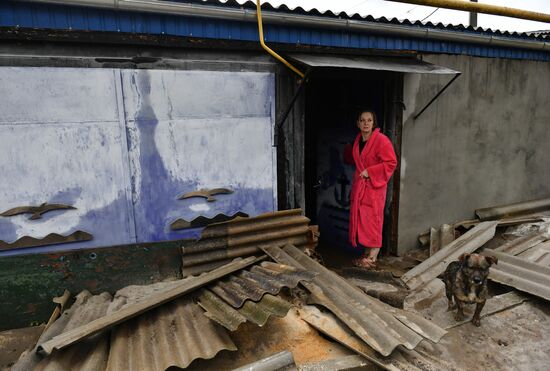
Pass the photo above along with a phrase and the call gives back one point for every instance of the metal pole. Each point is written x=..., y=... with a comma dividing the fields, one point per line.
x=473, y=16
x=436, y=96
x=480, y=8
x=278, y=361
x=267, y=48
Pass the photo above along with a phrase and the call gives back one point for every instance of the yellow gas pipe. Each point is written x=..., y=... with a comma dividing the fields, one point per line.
x=481, y=8
x=267, y=48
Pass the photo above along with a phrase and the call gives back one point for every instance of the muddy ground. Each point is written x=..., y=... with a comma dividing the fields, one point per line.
x=514, y=338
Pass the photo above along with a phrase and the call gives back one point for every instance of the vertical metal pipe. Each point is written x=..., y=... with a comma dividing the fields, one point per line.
x=267, y=48
x=473, y=16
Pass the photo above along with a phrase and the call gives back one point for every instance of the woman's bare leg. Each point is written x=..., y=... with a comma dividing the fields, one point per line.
x=373, y=254
x=364, y=260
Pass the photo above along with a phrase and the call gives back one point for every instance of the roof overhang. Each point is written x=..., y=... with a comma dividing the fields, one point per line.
x=404, y=65
x=395, y=64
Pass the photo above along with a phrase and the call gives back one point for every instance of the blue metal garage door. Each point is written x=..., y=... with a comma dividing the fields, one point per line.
x=120, y=146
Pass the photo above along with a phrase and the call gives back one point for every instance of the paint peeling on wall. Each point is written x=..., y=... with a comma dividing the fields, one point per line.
x=214, y=153
x=63, y=139
x=65, y=164
x=56, y=146
x=182, y=139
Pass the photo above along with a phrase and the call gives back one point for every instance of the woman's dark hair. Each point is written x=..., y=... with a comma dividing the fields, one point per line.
x=371, y=111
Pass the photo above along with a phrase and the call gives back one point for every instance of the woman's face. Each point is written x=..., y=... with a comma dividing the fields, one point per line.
x=365, y=122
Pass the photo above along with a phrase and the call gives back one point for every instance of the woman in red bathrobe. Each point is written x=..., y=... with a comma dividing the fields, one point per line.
x=374, y=159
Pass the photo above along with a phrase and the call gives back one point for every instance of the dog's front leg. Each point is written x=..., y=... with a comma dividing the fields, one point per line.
x=449, y=293
x=459, y=316
x=475, y=318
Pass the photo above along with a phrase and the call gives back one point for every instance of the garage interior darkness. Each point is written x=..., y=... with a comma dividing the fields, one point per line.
x=333, y=99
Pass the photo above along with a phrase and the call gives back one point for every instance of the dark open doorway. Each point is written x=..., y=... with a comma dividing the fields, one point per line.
x=334, y=98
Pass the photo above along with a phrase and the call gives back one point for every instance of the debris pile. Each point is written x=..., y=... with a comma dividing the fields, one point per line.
x=517, y=234
x=173, y=324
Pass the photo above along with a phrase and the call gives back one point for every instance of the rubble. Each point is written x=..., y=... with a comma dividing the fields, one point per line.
x=359, y=317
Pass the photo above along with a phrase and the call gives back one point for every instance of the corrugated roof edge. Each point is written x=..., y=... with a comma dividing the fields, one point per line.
x=356, y=16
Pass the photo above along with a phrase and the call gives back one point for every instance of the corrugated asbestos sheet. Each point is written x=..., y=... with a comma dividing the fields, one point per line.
x=49, y=16
x=174, y=334
x=441, y=237
x=529, y=271
x=378, y=324
x=539, y=254
x=436, y=264
x=250, y=296
x=91, y=354
x=335, y=329
x=279, y=361
x=256, y=312
x=510, y=210
x=523, y=244
x=219, y=243
x=521, y=274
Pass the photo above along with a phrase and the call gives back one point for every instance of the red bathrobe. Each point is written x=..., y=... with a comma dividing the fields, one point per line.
x=368, y=196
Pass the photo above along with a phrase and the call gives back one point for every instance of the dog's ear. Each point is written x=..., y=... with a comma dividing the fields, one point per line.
x=462, y=258
x=491, y=260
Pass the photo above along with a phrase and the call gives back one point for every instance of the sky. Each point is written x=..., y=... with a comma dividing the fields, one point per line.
x=379, y=8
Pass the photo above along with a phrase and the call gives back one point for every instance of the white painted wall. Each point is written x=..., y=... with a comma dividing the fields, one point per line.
x=121, y=145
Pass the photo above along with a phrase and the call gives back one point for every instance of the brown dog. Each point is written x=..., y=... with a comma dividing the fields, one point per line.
x=466, y=282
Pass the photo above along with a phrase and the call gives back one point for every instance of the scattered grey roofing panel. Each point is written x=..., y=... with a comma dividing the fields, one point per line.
x=271, y=278
x=242, y=236
x=539, y=254
x=378, y=324
x=523, y=243
x=93, y=353
x=436, y=264
x=172, y=335
x=520, y=274
x=256, y=312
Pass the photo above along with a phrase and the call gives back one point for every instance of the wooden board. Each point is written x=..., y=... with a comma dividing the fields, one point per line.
x=110, y=320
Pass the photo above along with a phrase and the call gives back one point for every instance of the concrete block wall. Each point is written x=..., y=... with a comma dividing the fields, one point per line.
x=484, y=142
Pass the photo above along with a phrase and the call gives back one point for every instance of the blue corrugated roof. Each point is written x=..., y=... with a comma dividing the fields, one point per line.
x=51, y=16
